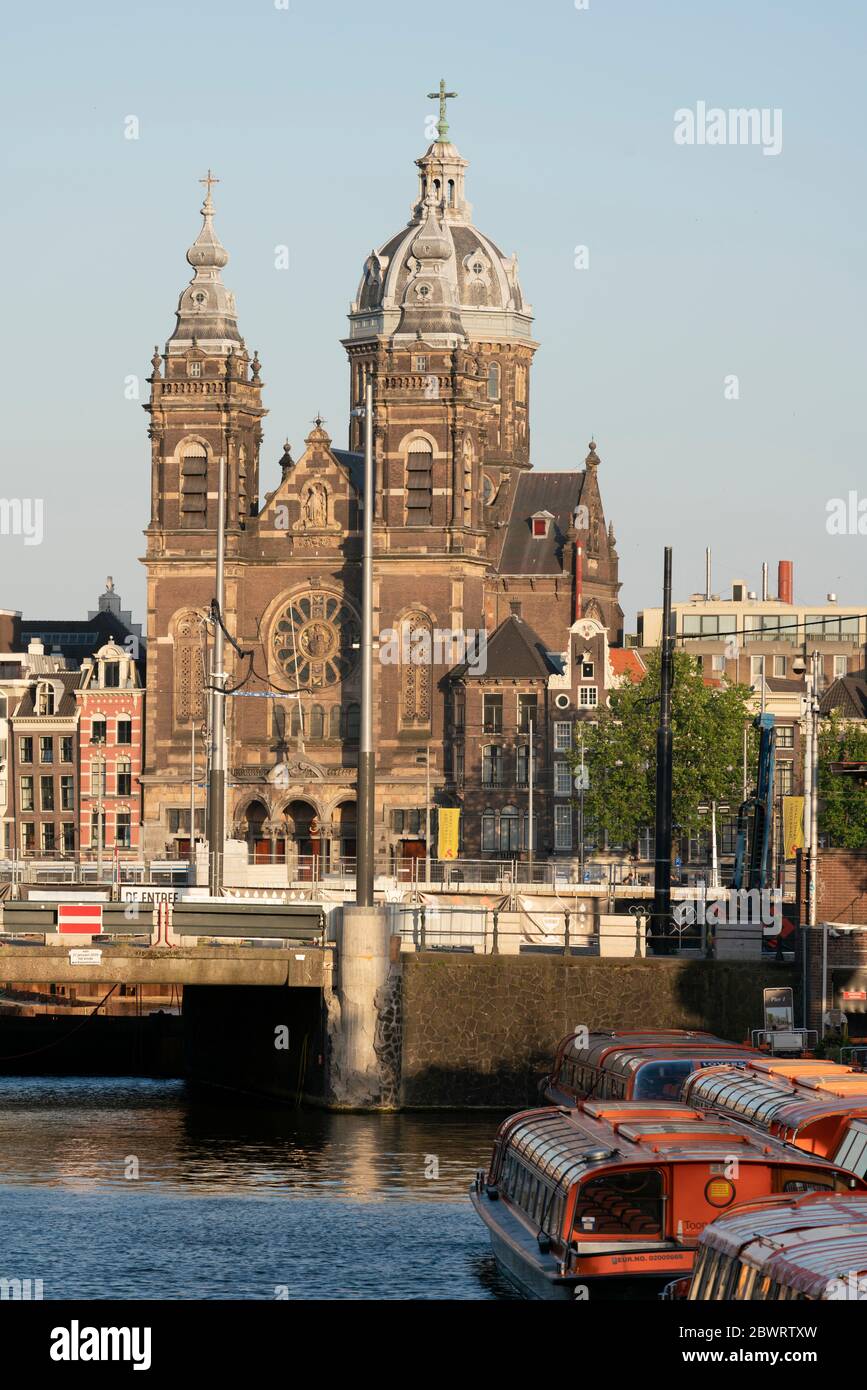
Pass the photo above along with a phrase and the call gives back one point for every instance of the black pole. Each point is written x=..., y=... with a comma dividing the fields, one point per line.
x=366, y=775
x=662, y=874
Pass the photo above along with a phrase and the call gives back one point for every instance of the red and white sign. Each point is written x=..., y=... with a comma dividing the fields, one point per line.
x=854, y=993
x=82, y=918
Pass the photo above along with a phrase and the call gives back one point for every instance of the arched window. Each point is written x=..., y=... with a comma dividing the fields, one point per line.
x=416, y=656
x=194, y=485
x=334, y=722
x=509, y=830
x=489, y=831
x=295, y=718
x=190, y=656
x=317, y=722
x=437, y=189
x=494, y=382
x=492, y=766
x=353, y=723
x=45, y=698
x=419, y=483
x=451, y=187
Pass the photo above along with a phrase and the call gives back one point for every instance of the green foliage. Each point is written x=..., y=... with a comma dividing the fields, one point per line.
x=842, y=802
x=620, y=751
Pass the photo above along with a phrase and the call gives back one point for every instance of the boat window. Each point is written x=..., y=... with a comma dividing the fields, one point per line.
x=852, y=1153
x=711, y=1266
x=745, y=1281
x=726, y=1278
x=700, y=1273
x=628, y=1203
x=662, y=1080
x=811, y=1181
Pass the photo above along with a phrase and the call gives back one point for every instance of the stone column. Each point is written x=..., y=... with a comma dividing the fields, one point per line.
x=357, y=1080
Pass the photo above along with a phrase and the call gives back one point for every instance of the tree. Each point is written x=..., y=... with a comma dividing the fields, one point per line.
x=842, y=802
x=620, y=750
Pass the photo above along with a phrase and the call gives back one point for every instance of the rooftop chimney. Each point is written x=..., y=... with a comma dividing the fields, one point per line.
x=785, y=582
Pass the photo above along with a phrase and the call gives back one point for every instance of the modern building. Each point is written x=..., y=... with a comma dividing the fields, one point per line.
x=468, y=538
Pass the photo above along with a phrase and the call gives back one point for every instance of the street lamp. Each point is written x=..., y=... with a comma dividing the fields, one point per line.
x=811, y=771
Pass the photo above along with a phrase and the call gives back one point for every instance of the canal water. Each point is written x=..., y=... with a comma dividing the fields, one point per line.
x=131, y=1188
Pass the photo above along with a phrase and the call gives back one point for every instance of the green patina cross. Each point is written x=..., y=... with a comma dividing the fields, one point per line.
x=444, y=96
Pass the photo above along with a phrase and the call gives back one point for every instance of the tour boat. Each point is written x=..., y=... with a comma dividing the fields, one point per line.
x=583, y=1202
x=811, y=1248
x=638, y=1066
x=824, y=1121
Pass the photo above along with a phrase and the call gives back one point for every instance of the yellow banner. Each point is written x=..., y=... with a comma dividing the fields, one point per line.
x=449, y=820
x=793, y=825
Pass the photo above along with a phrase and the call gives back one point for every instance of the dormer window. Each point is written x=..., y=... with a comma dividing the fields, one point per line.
x=194, y=369
x=420, y=364
x=540, y=525
x=45, y=699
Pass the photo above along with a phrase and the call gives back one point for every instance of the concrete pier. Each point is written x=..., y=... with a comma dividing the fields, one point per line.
x=357, y=1074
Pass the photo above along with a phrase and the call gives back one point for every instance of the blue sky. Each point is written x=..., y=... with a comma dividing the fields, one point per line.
x=704, y=262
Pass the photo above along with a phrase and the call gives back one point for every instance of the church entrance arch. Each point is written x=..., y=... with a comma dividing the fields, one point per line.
x=253, y=831
x=344, y=830
x=303, y=836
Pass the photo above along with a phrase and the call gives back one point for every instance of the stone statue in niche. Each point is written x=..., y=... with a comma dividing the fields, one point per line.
x=315, y=506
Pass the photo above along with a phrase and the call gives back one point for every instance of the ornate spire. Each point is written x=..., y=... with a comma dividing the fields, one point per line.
x=592, y=457
x=206, y=309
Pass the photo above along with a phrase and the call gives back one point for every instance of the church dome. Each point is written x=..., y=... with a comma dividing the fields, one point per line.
x=479, y=280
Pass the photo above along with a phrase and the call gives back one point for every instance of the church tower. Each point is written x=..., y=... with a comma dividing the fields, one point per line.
x=440, y=321
x=205, y=402
x=205, y=408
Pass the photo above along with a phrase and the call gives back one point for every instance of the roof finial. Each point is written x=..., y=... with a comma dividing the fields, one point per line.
x=444, y=96
x=208, y=180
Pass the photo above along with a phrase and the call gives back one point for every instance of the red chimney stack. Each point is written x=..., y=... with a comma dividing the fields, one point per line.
x=785, y=582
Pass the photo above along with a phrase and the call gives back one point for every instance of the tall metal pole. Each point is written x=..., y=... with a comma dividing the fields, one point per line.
x=581, y=811
x=814, y=787
x=662, y=875
x=530, y=800
x=217, y=774
x=192, y=791
x=427, y=814
x=808, y=783
x=714, y=869
x=366, y=782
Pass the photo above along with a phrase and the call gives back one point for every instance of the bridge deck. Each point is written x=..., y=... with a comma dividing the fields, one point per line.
x=297, y=965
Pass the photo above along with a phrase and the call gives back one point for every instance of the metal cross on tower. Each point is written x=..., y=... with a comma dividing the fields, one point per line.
x=208, y=181
x=444, y=96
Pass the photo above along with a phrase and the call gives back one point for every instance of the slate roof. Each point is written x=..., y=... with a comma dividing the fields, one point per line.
x=785, y=685
x=67, y=707
x=558, y=493
x=355, y=463
x=75, y=637
x=513, y=650
x=848, y=694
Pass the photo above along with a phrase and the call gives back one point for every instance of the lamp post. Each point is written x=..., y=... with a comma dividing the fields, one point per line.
x=809, y=667
x=366, y=774
x=217, y=771
x=662, y=867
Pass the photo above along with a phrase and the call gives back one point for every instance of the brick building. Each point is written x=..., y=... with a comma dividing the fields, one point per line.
x=467, y=535
x=527, y=695
x=110, y=701
x=43, y=743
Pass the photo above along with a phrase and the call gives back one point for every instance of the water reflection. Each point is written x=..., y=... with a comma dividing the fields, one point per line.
x=223, y=1198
